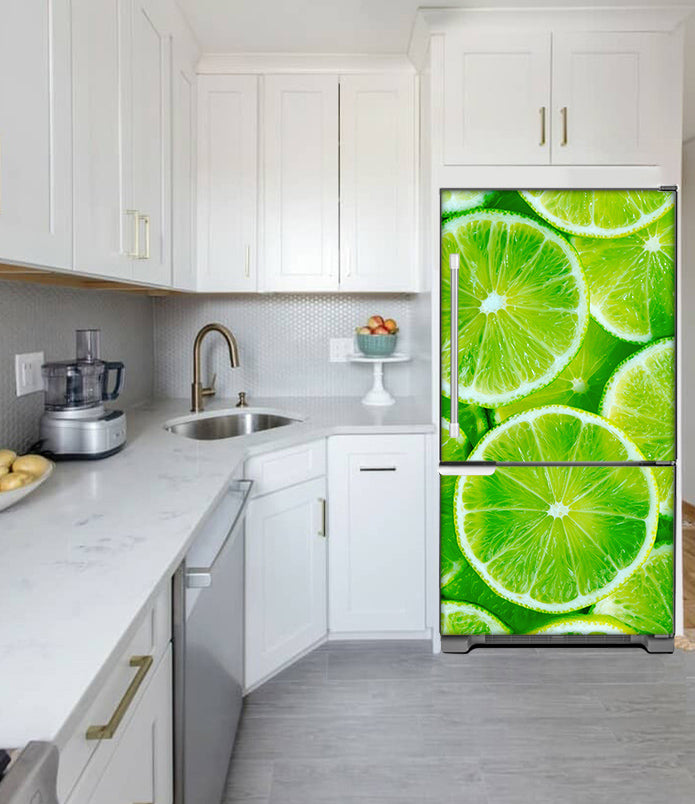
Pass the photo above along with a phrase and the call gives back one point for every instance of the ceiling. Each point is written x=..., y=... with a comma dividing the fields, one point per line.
x=335, y=26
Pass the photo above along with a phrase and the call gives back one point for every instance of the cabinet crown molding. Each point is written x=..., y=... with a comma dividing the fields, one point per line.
x=277, y=63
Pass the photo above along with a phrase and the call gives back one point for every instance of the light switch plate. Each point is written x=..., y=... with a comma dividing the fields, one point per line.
x=340, y=349
x=27, y=369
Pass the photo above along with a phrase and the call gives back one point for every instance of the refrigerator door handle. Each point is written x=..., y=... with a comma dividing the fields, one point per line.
x=463, y=469
x=454, y=350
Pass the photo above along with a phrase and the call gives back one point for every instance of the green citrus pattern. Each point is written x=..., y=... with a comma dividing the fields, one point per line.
x=523, y=306
x=585, y=625
x=467, y=618
x=645, y=601
x=631, y=281
x=472, y=424
x=456, y=202
x=599, y=213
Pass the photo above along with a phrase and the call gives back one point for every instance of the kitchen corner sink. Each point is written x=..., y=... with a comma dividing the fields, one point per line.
x=227, y=424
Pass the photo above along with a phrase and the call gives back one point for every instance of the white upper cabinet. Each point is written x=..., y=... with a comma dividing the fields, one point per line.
x=608, y=97
x=227, y=183
x=151, y=157
x=300, y=133
x=35, y=142
x=496, y=98
x=377, y=183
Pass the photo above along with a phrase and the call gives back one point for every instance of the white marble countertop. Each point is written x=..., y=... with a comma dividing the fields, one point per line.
x=83, y=556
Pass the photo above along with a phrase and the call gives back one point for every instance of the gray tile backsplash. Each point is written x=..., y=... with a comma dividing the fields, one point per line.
x=37, y=318
x=283, y=343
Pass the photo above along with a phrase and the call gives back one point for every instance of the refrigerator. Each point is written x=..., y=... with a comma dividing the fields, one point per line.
x=558, y=418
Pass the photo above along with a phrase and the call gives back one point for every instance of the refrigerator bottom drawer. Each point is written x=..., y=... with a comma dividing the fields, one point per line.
x=558, y=555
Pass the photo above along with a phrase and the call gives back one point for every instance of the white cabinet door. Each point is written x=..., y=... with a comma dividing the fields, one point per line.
x=104, y=223
x=151, y=164
x=611, y=96
x=376, y=527
x=141, y=766
x=285, y=576
x=496, y=98
x=183, y=133
x=377, y=183
x=35, y=140
x=227, y=182
x=300, y=132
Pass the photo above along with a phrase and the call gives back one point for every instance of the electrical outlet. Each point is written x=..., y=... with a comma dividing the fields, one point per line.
x=340, y=348
x=27, y=370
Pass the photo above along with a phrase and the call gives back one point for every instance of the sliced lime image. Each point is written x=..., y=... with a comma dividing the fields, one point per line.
x=456, y=202
x=664, y=532
x=584, y=625
x=460, y=582
x=556, y=538
x=640, y=399
x=581, y=383
x=466, y=618
x=523, y=305
x=472, y=424
x=631, y=281
x=645, y=601
x=599, y=213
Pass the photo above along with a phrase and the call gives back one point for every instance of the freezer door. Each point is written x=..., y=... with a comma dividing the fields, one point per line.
x=557, y=550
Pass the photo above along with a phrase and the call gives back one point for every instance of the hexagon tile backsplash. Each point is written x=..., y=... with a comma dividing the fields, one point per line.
x=283, y=343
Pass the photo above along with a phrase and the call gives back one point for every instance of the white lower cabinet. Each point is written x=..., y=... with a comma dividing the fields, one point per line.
x=285, y=576
x=376, y=522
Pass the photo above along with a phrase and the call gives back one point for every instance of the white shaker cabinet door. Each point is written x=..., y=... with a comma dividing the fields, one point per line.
x=35, y=140
x=611, y=98
x=285, y=576
x=377, y=183
x=496, y=98
x=300, y=133
x=376, y=527
x=227, y=183
x=151, y=95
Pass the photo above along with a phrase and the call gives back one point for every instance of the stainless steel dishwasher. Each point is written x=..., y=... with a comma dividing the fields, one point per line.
x=209, y=650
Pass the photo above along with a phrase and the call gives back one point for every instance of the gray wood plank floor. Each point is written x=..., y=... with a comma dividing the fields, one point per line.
x=390, y=722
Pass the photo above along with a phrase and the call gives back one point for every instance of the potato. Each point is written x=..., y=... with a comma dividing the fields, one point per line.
x=15, y=480
x=35, y=465
x=7, y=457
x=4, y=470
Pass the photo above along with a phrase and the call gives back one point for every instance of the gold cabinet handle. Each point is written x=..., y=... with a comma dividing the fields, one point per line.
x=322, y=532
x=135, y=253
x=542, y=111
x=563, y=113
x=108, y=730
x=146, y=220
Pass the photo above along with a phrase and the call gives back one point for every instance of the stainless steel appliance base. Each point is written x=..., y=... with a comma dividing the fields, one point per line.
x=83, y=438
x=464, y=644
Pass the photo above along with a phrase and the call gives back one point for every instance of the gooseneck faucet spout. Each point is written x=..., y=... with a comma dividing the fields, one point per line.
x=198, y=392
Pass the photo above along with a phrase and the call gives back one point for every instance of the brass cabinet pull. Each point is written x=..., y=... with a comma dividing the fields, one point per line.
x=108, y=730
x=563, y=113
x=146, y=221
x=135, y=253
x=542, y=111
x=322, y=532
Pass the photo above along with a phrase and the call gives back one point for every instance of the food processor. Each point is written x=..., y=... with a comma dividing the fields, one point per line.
x=75, y=423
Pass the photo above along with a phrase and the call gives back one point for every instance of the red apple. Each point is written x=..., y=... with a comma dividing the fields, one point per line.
x=391, y=325
x=380, y=331
x=375, y=321
x=364, y=331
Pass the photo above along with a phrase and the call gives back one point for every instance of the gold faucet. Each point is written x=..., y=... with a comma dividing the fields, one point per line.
x=198, y=392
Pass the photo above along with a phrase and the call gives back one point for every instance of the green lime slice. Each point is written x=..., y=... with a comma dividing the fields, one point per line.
x=581, y=383
x=645, y=601
x=455, y=202
x=472, y=424
x=556, y=538
x=523, y=305
x=640, y=399
x=459, y=581
x=631, y=281
x=584, y=625
x=466, y=618
x=600, y=213
x=664, y=533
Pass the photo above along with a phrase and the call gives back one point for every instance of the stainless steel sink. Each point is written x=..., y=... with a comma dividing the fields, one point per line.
x=210, y=427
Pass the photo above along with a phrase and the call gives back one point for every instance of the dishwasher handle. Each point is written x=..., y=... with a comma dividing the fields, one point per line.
x=201, y=577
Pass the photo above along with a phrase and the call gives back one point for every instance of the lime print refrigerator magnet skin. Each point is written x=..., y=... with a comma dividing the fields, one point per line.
x=557, y=446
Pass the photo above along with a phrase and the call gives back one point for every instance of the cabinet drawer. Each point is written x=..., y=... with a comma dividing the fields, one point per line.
x=278, y=470
x=151, y=638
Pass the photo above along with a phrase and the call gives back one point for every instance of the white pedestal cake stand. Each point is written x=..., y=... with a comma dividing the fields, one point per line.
x=378, y=395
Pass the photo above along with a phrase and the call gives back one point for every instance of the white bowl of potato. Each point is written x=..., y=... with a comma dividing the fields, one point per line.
x=20, y=475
